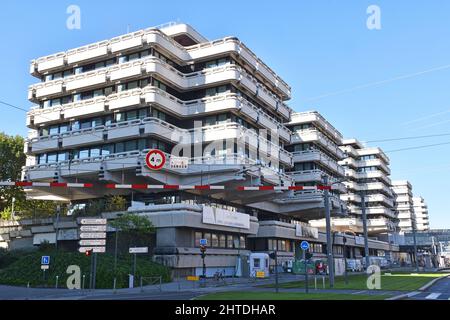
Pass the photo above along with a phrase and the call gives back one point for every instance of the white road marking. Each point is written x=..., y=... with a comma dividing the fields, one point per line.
x=433, y=296
x=359, y=292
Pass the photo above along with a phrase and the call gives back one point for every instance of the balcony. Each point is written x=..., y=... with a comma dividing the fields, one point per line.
x=374, y=163
x=372, y=210
x=154, y=37
x=153, y=95
x=318, y=156
x=380, y=225
x=315, y=117
x=152, y=65
x=371, y=186
x=373, y=151
x=377, y=174
x=313, y=135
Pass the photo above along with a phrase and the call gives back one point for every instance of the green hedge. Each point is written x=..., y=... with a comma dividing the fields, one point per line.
x=25, y=267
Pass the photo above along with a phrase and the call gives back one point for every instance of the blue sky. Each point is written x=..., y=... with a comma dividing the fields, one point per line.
x=319, y=47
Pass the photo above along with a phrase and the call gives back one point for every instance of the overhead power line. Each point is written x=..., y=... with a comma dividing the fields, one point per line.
x=409, y=138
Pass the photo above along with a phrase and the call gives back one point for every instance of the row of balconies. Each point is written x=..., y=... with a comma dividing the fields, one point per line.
x=134, y=159
x=379, y=186
x=381, y=198
x=153, y=95
x=380, y=210
x=154, y=37
x=152, y=65
x=355, y=153
x=320, y=157
x=377, y=174
x=356, y=225
x=317, y=118
x=162, y=129
x=316, y=176
x=314, y=135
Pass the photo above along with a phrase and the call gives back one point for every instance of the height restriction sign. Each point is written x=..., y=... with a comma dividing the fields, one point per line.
x=155, y=159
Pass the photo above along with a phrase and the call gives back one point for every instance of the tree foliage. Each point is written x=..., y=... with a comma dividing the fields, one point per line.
x=12, y=158
x=133, y=223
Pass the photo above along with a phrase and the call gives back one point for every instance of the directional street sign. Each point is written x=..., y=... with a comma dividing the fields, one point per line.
x=44, y=267
x=304, y=245
x=93, y=221
x=93, y=235
x=92, y=242
x=93, y=228
x=139, y=250
x=94, y=249
x=45, y=260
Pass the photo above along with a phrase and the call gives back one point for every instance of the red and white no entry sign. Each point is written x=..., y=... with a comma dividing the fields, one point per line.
x=155, y=159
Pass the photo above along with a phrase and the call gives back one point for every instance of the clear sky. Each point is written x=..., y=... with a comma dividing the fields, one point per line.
x=370, y=84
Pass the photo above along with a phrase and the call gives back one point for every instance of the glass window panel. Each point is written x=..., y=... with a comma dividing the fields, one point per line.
x=63, y=128
x=98, y=93
x=222, y=241
x=108, y=91
x=99, y=65
x=97, y=122
x=86, y=124
x=52, y=157
x=132, y=85
x=208, y=239
x=210, y=64
x=144, y=83
x=120, y=147
x=66, y=99
x=62, y=156
x=142, y=144
x=214, y=240
x=57, y=75
x=197, y=237
x=48, y=77
x=67, y=73
x=95, y=152
x=222, y=89
x=108, y=120
x=47, y=104
x=145, y=53
x=84, y=153
x=133, y=56
x=110, y=62
x=55, y=102
x=120, y=116
x=131, y=115
x=76, y=125
x=257, y=262
x=78, y=70
x=107, y=149
x=230, y=241
x=130, y=145
x=142, y=113
x=44, y=132
x=77, y=97
x=121, y=87
x=242, y=242
x=53, y=129
x=42, y=158
x=210, y=92
x=123, y=59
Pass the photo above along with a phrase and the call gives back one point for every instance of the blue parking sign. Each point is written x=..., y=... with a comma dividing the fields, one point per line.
x=304, y=245
x=45, y=260
x=203, y=242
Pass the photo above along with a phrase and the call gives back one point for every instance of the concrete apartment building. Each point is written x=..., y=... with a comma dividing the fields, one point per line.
x=421, y=214
x=367, y=173
x=402, y=190
x=100, y=108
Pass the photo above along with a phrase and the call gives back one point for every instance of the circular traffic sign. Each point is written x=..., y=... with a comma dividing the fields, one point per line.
x=304, y=245
x=155, y=159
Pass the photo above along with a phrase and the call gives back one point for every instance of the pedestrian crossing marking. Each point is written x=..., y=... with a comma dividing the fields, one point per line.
x=433, y=296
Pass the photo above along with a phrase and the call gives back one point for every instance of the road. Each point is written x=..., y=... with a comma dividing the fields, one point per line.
x=440, y=290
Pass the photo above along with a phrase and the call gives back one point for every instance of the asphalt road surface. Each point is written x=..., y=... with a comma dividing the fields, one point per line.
x=440, y=290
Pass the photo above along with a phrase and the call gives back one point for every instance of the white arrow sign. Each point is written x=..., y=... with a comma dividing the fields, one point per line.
x=93, y=221
x=139, y=250
x=94, y=249
x=92, y=242
x=93, y=228
x=93, y=235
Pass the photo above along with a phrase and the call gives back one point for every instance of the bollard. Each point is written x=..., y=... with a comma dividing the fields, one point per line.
x=56, y=286
x=82, y=286
x=28, y=285
x=323, y=282
x=114, y=286
x=140, y=283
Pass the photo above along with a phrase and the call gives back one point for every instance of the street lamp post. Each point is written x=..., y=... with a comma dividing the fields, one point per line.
x=328, y=232
x=364, y=218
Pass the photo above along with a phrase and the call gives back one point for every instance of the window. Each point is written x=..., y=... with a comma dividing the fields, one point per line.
x=230, y=241
x=242, y=242
x=107, y=149
x=86, y=124
x=53, y=129
x=257, y=262
x=52, y=157
x=197, y=237
x=95, y=152
x=208, y=239
x=131, y=115
x=84, y=153
x=222, y=241
x=63, y=156
x=130, y=145
x=120, y=147
x=214, y=240
x=42, y=158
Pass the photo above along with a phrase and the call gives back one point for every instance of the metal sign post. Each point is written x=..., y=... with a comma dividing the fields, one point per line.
x=305, y=246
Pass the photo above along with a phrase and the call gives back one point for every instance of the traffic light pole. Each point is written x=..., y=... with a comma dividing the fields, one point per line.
x=364, y=218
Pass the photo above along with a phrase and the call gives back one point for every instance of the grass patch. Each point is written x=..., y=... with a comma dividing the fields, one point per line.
x=287, y=296
x=25, y=267
x=395, y=282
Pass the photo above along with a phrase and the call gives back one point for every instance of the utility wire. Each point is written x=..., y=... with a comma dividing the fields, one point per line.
x=408, y=138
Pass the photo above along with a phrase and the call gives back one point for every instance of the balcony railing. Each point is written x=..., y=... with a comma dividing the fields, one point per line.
x=314, y=135
x=317, y=155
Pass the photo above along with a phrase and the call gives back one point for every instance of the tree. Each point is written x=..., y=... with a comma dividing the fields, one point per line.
x=12, y=158
x=136, y=229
